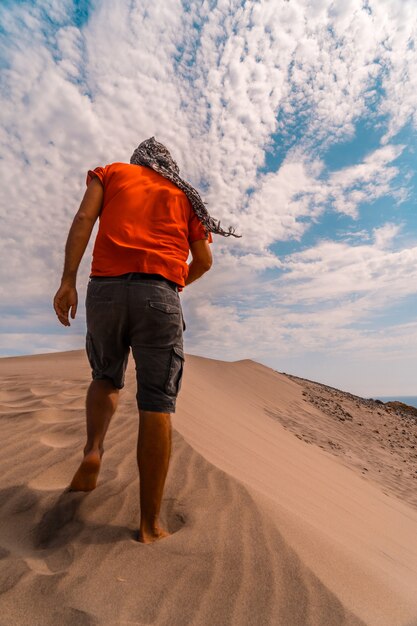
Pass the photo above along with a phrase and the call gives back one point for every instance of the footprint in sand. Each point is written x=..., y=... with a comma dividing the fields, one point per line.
x=75, y=392
x=56, y=416
x=39, y=566
x=76, y=403
x=22, y=399
x=46, y=390
x=12, y=397
x=54, y=478
x=13, y=412
x=60, y=440
x=19, y=406
x=58, y=476
x=56, y=562
x=70, y=615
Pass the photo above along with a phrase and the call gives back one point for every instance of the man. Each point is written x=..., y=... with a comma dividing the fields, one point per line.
x=150, y=219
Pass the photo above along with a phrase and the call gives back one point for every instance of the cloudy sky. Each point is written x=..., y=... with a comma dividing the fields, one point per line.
x=297, y=121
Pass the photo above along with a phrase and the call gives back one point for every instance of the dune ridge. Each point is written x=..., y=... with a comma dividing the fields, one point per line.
x=249, y=545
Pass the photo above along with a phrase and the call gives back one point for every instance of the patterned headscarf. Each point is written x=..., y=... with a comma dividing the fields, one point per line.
x=153, y=154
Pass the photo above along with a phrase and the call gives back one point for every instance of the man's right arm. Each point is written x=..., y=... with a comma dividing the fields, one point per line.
x=66, y=297
x=201, y=262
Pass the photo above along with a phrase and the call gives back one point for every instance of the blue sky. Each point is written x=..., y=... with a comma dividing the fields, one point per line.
x=297, y=121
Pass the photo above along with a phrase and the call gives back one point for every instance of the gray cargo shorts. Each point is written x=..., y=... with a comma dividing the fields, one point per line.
x=143, y=314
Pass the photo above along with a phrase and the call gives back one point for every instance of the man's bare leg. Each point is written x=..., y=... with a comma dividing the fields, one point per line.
x=154, y=451
x=101, y=403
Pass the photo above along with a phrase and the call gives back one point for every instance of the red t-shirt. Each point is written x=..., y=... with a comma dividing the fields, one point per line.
x=146, y=224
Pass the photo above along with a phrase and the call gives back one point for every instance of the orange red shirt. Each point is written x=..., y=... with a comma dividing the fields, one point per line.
x=146, y=224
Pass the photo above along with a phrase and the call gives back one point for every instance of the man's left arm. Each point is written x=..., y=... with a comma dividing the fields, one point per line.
x=66, y=297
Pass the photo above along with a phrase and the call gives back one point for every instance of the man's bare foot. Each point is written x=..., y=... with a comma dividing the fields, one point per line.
x=85, y=478
x=149, y=536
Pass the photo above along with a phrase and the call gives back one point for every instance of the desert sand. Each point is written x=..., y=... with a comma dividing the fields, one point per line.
x=290, y=503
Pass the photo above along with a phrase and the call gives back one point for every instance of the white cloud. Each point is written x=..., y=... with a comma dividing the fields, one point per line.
x=285, y=202
x=333, y=270
x=333, y=298
x=386, y=234
x=366, y=181
x=280, y=199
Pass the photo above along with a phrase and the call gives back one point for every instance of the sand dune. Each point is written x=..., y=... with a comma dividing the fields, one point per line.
x=267, y=528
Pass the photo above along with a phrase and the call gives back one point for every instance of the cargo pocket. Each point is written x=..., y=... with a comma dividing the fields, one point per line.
x=165, y=307
x=176, y=368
